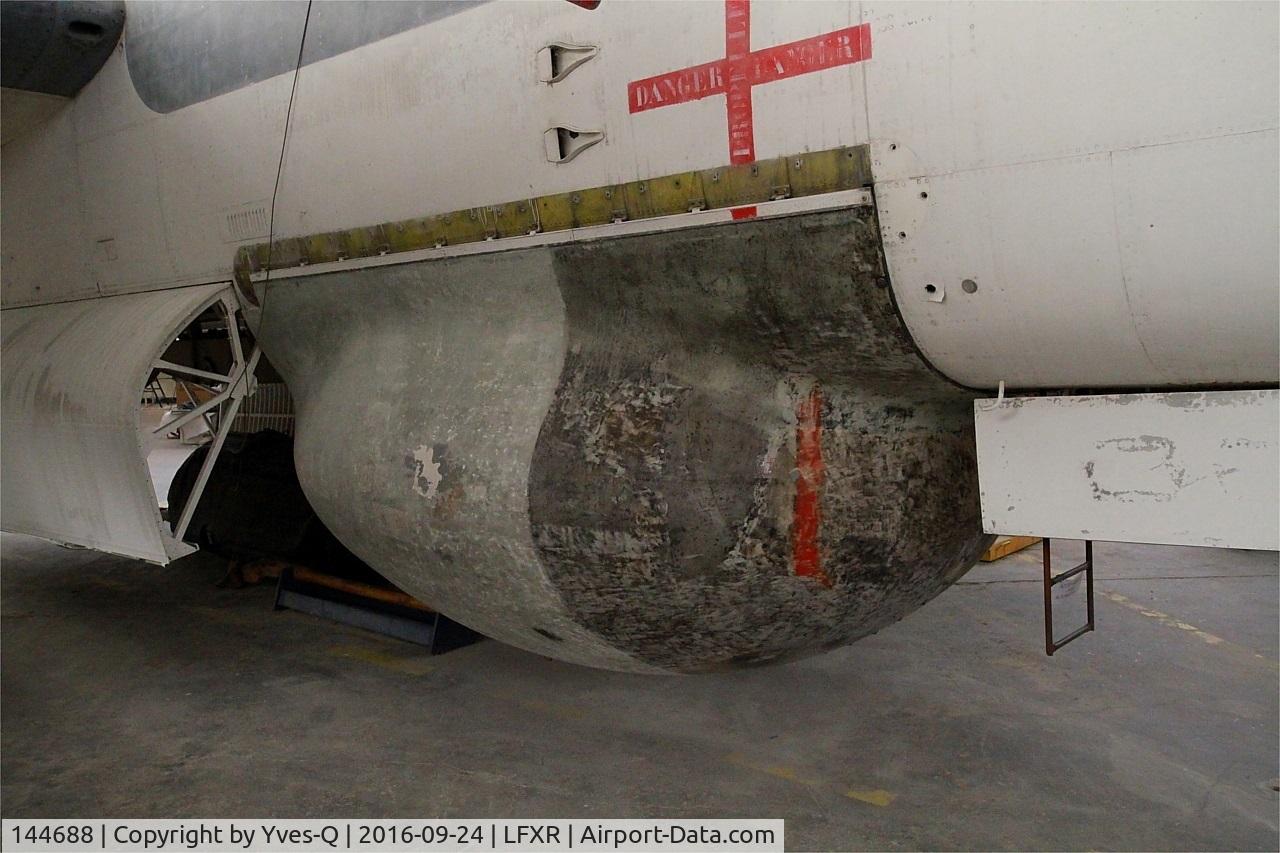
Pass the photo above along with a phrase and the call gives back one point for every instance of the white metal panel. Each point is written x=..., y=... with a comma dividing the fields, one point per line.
x=162, y=186
x=1192, y=468
x=808, y=112
x=1105, y=173
x=71, y=457
x=1150, y=266
x=459, y=110
x=974, y=85
x=1198, y=225
x=1050, y=307
x=23, y=110
x=111, y=197
x=123, y=214
x=46, y=251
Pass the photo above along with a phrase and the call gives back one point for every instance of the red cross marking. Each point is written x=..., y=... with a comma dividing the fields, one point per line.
x=741, y=68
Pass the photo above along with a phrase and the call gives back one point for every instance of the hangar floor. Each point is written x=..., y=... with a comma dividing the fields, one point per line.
x=135, y=691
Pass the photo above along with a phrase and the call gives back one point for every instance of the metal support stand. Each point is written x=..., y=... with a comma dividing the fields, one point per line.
x=230, y=388
x=1050, y=581
x=383, y=611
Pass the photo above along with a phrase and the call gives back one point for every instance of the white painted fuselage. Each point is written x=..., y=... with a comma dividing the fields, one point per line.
x=1104, y=174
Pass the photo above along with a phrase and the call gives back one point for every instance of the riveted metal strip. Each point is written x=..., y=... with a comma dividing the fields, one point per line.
x=814, y=173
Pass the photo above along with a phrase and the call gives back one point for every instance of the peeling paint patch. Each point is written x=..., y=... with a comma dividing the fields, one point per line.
x=1141, y=444
x=1166, y=466
x=1233, y=443
x=427, y=463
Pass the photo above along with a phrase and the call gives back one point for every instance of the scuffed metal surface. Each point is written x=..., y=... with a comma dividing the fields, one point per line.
x=589, y=450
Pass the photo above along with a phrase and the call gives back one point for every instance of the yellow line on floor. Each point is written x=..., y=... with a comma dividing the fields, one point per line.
x=414, y=665
x=551, y=709
x=873, y=796
x=1191, y=630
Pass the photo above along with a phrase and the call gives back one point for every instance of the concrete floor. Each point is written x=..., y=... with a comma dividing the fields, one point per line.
x=136, y=691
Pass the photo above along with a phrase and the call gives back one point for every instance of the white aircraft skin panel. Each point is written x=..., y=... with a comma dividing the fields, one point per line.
x=1201, y=237
x=24, y=110
x=1001, y=330
x=1102, y=190
x=208, y=161
x=1118, y=283
x=686, y=136
x=205, y=180
x=159, y=187
x=497, y=155
x=72, y=375
x=46, y=250
x=976, y=85
x=448, y=128
x=124, y=211
x=808, y=112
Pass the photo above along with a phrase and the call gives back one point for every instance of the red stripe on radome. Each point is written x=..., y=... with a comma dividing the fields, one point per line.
x=807, y=521
x=743, y=212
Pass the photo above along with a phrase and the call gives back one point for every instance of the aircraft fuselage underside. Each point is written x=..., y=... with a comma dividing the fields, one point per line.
x=611, y=452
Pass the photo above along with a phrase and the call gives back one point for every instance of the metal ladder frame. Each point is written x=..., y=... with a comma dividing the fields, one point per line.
x=1051, y=580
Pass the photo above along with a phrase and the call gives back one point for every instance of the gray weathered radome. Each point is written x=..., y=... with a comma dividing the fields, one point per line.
x=669, y=452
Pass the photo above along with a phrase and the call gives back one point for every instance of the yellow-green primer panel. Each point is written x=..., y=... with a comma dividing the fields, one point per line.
x=796, y=176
